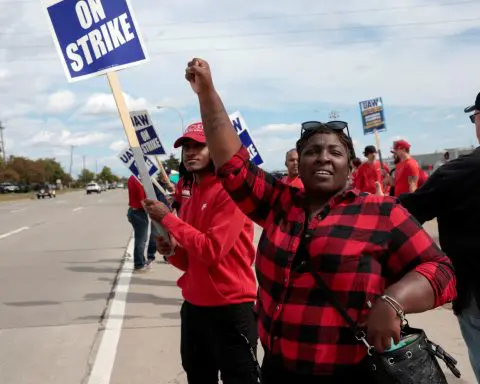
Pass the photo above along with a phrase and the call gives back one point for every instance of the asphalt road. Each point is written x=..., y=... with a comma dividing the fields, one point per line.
x=58, y=262
x=72, y=313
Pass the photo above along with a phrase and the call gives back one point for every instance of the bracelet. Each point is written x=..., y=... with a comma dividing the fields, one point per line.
x=396, y=307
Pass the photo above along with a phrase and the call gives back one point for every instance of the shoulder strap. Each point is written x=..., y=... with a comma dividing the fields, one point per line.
x=331, y=297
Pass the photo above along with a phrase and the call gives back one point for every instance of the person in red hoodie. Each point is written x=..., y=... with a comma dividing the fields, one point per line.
x=370, y=171
x=213, y=244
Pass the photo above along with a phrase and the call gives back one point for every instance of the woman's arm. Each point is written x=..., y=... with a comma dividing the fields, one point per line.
x=423, y=278
x=253, y=190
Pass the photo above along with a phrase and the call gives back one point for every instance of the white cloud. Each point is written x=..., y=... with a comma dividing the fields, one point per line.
x=60, y=102
x=278, y=128
x=118, y=145
x=104, y=104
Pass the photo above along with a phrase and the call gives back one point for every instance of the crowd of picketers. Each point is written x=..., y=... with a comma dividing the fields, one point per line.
x=337, y=254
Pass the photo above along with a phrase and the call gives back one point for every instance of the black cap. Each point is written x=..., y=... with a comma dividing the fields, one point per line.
x=369, y=149
x=474, y=107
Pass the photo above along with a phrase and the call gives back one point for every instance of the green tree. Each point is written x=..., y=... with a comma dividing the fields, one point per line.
x=172, y=162
x=106, y=175
x=86, y=176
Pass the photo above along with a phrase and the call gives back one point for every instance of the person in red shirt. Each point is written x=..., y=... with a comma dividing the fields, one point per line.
x=407, y=170
x=213, y=244
x=356, y=163
x=291, y=162
x=139, y=219
x=366, y=249
x=370, y=172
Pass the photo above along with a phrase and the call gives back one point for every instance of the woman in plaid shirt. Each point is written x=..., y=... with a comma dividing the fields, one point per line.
x=362, y=247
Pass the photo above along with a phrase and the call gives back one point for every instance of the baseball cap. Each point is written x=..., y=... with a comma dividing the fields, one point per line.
x=476, y=106
x=193, y=132
x=369, y=149
x=401, y=144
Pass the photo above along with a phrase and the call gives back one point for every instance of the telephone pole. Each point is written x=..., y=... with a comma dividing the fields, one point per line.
x=334, y=115
x=2, y=143
x=84, y=171
x=71, y=159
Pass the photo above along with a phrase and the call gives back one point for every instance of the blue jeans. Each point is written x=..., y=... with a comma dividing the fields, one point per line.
x=140, y=223
x=469, y=320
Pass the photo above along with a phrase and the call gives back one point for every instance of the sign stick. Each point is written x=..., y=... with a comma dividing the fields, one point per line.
x=377, y=141
x=116, y=88
x=164, y=174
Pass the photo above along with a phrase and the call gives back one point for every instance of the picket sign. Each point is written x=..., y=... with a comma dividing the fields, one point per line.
x=96, y=37
x=241, y=128
x=373, y=120
x=149, y=139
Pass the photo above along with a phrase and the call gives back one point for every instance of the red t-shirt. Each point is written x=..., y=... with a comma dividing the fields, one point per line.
x=367, y=175
x=293, y=182
x=216, y=249
x=136, y=193
x=422, y=178
x=405, y=170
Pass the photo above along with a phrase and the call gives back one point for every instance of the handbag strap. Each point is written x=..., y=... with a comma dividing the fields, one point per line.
x=332, y=299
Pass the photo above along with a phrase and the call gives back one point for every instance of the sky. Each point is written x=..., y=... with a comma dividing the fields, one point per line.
x=277, y=62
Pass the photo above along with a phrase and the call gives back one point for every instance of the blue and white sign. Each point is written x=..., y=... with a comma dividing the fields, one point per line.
x=373, y=115
x=147, y=137
x=242, y=131
x=127, y=159
x=94, y=37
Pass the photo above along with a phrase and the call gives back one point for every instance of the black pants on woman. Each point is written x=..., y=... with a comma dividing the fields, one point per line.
x=274, y=372
x=212, y=342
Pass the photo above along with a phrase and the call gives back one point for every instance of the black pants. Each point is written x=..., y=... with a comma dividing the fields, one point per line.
x=212, y=342
x=274, y=372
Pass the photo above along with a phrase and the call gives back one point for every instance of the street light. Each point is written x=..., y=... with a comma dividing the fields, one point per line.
x=176, y=110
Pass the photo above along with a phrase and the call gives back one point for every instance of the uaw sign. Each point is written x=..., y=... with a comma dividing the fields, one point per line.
x=373, y=115
x=94, y=37
x=128, y=160
x=146, y=134
x=242, y=131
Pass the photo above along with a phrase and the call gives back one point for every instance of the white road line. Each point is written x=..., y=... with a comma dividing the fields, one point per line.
x=77, y=209
x=18, y=210
x=105, y=359
x=13, y=232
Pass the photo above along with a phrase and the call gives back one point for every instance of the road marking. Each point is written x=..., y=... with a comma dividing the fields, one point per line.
x=18, y=210
x=13, y=232
x=77, y=209
x=105, y=359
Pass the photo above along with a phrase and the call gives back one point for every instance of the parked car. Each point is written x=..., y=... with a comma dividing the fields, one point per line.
x=46, y=190
x=120, y=186
x=8, y=188
x=93, y=188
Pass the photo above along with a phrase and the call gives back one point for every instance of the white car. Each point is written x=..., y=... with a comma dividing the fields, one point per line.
x=93, y=188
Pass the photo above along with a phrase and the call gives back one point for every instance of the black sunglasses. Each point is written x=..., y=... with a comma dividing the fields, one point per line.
x=335, y=125
x=472, y=117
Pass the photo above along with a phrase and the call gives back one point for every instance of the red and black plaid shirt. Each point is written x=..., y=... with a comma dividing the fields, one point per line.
x=359, y=245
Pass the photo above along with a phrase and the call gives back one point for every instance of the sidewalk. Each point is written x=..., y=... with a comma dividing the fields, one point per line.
x=149, y=347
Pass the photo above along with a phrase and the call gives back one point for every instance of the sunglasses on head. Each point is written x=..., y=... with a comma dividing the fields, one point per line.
x=472, y=117
x=336, y=125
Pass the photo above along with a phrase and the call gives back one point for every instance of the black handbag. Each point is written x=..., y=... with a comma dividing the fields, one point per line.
x=414, y=363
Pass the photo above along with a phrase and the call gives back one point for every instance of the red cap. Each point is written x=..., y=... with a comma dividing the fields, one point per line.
x=193, y=132
x=401, y=144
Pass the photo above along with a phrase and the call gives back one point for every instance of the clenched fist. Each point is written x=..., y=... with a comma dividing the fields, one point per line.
x=199, y=76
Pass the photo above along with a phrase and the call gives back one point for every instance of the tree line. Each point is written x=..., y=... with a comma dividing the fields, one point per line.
x=24, y=171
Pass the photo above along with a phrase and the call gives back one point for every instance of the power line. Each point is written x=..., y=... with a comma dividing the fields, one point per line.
x=274, y=17
x=274, y=33
x=286, y=46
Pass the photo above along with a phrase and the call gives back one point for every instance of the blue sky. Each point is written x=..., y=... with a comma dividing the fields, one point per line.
x=278, y=63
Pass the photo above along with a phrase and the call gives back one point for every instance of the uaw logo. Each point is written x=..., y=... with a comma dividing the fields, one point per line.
x=197, y=127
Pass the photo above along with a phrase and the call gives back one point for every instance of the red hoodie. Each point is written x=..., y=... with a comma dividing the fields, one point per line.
x=215, y=246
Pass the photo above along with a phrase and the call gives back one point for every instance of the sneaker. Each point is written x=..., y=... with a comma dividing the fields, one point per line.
x=150, y=263
x=143, y=269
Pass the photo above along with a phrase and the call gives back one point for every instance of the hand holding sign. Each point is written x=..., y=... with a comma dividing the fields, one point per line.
x=199, y=76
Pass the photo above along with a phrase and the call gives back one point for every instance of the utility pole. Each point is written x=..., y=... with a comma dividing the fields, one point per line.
x=71, y=160
x=84, y=171
x=2, y=143
x=334, y=115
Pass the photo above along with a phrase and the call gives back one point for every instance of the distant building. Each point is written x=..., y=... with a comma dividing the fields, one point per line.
x=431, y=161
